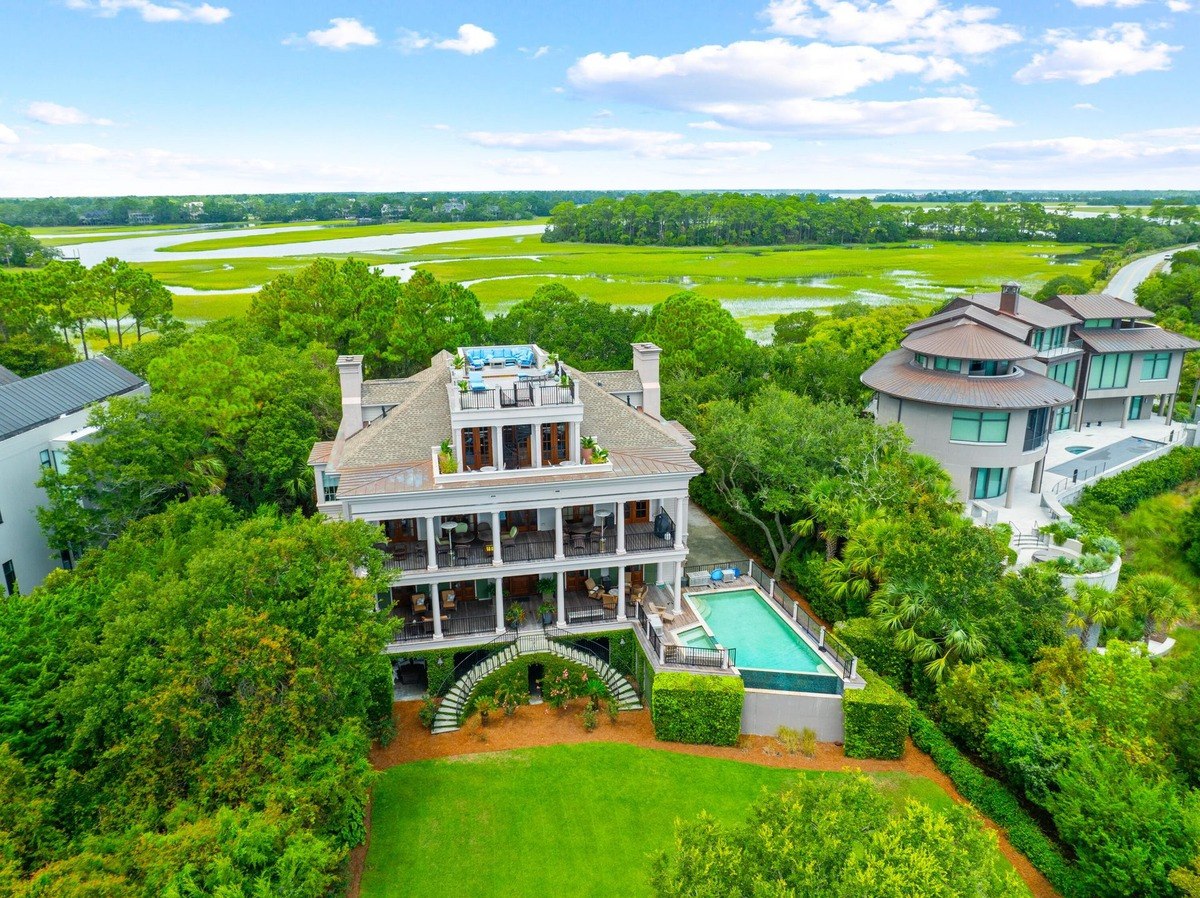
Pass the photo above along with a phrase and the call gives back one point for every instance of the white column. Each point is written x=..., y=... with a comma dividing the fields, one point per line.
x=621, y=591
x=680, y=512
x=620, y=528
x=497, y=552
x=498, y=448
x=535, y=431
x=562, y=598
x=435, y=600
x=678, y=587
x=499, y=604
x=682, y=528
x=559, y=554
x=430, y=544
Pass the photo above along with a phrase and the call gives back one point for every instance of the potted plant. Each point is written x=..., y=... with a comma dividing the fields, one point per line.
x=546, y=587
x=446, y=462
x=462, y=386
x=588, y=445
x=515, y=615
x=484, y=707
x=546, y=612
x=599, y=456
x=459, y=361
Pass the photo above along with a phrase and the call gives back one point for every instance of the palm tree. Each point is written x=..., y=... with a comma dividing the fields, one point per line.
x=1159, y=600
x=910, y=611
x=1094, y=609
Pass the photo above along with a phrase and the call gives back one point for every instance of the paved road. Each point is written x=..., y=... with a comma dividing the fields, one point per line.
x=1125, y=281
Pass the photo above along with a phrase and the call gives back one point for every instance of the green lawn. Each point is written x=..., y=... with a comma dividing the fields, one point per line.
x=566, y=820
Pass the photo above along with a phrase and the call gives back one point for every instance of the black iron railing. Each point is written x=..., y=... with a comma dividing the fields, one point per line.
x=476, y=655
x=469, y=401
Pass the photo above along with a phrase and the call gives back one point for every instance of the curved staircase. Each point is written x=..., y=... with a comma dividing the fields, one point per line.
x=449, y=712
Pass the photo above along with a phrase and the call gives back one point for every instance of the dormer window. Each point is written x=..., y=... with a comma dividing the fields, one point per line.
x=1099, y=322
x=941, y=363
x=987, y=368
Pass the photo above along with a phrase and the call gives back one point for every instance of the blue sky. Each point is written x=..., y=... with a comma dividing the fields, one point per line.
x=168, y=96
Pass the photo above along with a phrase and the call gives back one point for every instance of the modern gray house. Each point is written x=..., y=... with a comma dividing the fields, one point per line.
x=982, y=385
x=41, y=417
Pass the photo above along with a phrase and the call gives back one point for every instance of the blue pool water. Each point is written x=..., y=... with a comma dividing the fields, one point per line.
x=743, y=620
x=696, y=638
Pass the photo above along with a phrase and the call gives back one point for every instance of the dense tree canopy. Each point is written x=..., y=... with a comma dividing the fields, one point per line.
x=18, y=249
x=188, y=711
x=228, y=413
x=836, y=838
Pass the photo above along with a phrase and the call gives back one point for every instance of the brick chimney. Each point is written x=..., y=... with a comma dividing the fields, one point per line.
x=1009, y=294
x=645, y=363
x=350, y=375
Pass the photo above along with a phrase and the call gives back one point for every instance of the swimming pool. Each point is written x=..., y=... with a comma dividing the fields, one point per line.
x=770, y=653
x=696, y=638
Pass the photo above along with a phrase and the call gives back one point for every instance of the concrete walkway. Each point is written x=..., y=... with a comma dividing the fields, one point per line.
x=706, y=541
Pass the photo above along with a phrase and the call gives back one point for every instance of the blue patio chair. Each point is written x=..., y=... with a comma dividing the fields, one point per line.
x=475, y=379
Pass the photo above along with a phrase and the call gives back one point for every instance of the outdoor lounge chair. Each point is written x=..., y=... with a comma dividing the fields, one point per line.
x=665, y=613
x=593, y=590
x=449, y=600
x=475, y=379
x=420, y=603
x=608, y=600
x=507, y=539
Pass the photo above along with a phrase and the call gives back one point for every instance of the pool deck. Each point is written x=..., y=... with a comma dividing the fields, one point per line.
x=1030, y=512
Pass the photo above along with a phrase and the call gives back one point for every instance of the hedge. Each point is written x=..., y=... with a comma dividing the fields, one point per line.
x=997, y=802
x=379, y=711
x=702, y=709
x=875, y=647
x=876, y=719
x=1159, y=475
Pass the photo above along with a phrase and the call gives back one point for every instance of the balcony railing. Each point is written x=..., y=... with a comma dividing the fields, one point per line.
x=1065, y=349
x=529, y=393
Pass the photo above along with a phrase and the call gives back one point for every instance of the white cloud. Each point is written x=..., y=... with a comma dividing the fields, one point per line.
x=1179, y=5
x=1119, y=4
x=1123, y=49
x=913, y=24
x=1132, y=153
x=172, y=11
x=8, y=135
x=471, y=40
x=650, y=144
x=440, y=126
x=744, y=70
x=860, y=118
x=411, y=41
x=602, y=113
x=342, y=34
x=537, y=53
x=708, y=125
x=1086, y=107
x=53, y=114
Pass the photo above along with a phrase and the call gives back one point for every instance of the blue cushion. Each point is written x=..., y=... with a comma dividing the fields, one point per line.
x=718, y=575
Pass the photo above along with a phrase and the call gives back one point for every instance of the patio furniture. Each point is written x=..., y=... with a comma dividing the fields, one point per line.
x=578, y=541
x=449, y=600
x=593, y=590
x=608, y=600
x=475, y=380
x=483, y=531
x=665, y=613
x=638, y=593
x=510, y=538
x=420, y=603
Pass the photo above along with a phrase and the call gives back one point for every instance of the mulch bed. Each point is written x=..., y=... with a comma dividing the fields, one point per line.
x=538, y=725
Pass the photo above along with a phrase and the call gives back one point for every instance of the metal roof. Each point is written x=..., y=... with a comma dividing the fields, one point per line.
x=7, y=377
x=1016, y=329
x=896, y=375
x=1028, y=310
x=1134, y=339
x=965, y=339
x=24, y=404
x=1098, y=305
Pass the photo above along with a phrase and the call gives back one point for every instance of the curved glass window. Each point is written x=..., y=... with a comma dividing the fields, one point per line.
x=941, y=363
x=988, y=483
x=979, y=427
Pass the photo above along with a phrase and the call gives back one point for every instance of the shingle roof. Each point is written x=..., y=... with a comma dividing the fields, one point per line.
x=24, y=404
x=1015, y=329
x=616, y=381
x=392, y=453
x=1028, y=310
x=1134, y=339
x=386, y=392
x=1098, y=305
x=7, y=377
x=895, y=375
x=965, y=339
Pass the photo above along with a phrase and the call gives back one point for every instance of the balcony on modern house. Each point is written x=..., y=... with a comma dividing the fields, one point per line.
x=1067, y=348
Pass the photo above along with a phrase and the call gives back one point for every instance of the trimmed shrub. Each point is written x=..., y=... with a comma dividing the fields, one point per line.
x=1127, y=489
x=876, y=720
x=875, y=647
x=697, y=708
x=514, y=678
x=998, y=803
x=379, y=714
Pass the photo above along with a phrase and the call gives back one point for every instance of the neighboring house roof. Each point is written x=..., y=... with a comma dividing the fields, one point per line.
x=616, y=381
x=1134, y=339
x=1028, y=310
x=896, y=375
x=1098, y=305
x=7, y=377
x=966, y=339
x=1017, y=330
x=24, y=404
